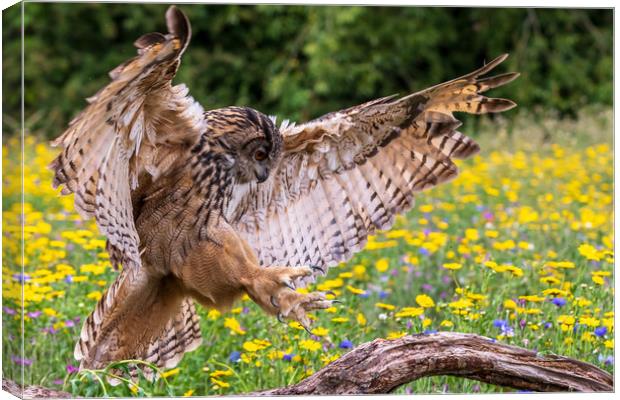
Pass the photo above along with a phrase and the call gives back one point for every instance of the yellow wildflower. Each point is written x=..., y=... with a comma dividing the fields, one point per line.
x=452, y=266
x=319, y=331
x=395, y=335
x=220, y=383
x=170, y=372
x=382, y=265
x=221, y=372
x=424, y=301
x=234, y=326
x=310, y=345
x=385, y=306
x=355, y=290
x=409, y=312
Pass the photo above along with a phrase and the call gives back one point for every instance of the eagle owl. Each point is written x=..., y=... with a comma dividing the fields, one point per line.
x=206, y=206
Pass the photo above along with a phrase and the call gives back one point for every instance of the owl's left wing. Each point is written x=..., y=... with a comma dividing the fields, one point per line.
x=137, y=124
x=348, y=173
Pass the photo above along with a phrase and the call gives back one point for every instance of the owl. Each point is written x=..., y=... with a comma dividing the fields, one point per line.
x=206, y=206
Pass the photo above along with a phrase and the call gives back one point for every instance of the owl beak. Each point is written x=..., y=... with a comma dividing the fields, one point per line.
x=262, y=175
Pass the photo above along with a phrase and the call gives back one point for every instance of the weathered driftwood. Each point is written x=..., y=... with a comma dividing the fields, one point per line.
x=382, y=365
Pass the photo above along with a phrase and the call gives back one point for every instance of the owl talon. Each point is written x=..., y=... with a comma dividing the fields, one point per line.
x=288, y=285
x=273, y=302
x=280, y=317
x=317, y=268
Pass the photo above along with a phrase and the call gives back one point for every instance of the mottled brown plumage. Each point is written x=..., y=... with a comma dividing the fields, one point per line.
x=195, y=204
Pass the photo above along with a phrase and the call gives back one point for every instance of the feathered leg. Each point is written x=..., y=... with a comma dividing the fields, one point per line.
x=139, y=317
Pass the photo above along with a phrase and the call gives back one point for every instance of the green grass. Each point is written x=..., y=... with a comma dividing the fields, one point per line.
x=544, y=185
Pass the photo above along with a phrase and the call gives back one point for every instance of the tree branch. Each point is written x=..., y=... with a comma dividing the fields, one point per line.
x=382, y=365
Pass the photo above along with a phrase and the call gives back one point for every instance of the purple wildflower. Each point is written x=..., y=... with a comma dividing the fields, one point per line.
x=72, y=369
x=503, y=325
x=600, y=331
x=346, y=344
x=427, y=287
x=21, y=278
x=288, y=357
x=21, y=361
x=235, y=356
x=8, y=310
x=34, y=314
x=559, y=301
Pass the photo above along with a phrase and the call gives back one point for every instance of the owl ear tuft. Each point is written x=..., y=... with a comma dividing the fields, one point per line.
x=179, y=26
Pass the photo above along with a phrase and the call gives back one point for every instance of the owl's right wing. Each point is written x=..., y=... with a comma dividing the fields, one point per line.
x=136, y=124
x=350, y=172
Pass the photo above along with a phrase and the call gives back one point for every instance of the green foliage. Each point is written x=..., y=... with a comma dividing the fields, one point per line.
x=299, y=62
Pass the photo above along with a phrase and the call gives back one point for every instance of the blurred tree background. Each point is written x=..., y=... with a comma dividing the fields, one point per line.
x=299, y=62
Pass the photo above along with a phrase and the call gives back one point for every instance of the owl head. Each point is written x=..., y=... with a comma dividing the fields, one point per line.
x=250, y=139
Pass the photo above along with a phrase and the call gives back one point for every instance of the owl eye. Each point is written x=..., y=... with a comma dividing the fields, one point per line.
x=260, y=155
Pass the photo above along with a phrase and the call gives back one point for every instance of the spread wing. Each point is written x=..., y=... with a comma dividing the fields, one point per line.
x=348, y=173
x=136, y=124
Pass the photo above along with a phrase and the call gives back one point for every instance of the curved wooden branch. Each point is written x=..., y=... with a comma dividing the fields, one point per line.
x=32, y=392
x=382, y=365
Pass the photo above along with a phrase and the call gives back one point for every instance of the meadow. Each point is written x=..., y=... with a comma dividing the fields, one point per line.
x=519, y=248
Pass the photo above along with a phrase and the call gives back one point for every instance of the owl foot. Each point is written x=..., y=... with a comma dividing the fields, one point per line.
x=273, y=289
x=295, y=306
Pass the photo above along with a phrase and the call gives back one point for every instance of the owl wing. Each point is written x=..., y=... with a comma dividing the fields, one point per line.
x=136, y=124
x=348, y=173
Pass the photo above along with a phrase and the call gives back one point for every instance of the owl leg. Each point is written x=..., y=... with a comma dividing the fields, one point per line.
x=272, y=288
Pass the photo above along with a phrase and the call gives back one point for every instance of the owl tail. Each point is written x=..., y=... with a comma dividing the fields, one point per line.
x=139, y=317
